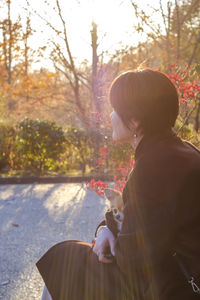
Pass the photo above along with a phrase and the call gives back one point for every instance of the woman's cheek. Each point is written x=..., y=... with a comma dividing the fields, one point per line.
x=120, y=132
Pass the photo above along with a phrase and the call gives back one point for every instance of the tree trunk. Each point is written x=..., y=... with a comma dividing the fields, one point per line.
x=26, y=36
x=94, y=68
x=197, y=116
x=95, y=89
x=5, y=46
x=178, y=24
x=194, y=50
x=10, y=44
x=26, y=52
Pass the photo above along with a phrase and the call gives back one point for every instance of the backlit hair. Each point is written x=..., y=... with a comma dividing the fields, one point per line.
x=148, y=96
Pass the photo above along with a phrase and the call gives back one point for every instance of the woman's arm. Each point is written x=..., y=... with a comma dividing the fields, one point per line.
x=154, y=213
x=147, y=229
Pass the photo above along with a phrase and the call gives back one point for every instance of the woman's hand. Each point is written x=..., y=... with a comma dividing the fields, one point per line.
x=105, y=241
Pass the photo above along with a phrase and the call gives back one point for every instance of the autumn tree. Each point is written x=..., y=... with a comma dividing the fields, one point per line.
x=9, y=46
x=64, y=63
x=177, y=37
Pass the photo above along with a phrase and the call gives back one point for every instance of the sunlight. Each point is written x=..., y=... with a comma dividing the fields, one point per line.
x=114, y=19
x=72, y=201
x=109, y=15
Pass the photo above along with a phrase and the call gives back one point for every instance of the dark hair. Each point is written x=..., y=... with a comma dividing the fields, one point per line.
x=148, y=96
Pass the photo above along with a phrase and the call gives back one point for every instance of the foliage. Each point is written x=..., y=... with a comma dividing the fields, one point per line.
x=98, y=186
x=37, y=145
x=7, y=133
x=81, y=147
x=175, y=36
x=186, y=81
x=75, y=93
x=40, y=146
x=188, y=133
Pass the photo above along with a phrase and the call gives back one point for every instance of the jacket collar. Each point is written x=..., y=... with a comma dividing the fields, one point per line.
x=149, y=140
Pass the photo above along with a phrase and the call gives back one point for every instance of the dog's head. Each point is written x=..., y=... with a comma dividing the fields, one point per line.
x=115, y=198
x=116, y=205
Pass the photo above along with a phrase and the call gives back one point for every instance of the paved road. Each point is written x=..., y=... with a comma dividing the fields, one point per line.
x=33, y=218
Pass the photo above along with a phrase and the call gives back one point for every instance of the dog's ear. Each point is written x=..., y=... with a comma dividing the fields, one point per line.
x=111, y=193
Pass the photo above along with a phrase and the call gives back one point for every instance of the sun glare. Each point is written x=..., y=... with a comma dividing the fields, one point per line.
x=105, y=14
x=111, y=16
x=114, y=20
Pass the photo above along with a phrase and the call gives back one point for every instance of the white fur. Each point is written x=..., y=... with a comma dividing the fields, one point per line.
x=116, y=205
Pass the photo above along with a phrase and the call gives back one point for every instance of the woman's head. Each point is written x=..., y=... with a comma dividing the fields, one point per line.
x=146, y=96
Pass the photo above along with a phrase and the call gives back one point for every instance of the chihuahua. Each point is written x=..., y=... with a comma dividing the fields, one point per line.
x=116, y=205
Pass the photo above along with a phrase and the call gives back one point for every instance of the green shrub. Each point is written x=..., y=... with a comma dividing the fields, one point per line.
x=38, y=144
x=7, y=134
x=81, y=148
x=187, y=132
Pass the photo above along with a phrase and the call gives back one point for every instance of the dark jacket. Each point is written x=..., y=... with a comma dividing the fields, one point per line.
x=161, y=216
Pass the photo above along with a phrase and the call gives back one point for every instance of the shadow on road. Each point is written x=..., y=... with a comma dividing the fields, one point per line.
x=35, y=217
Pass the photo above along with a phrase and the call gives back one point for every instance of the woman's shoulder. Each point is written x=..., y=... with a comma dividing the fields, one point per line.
x=166, y=164
x=172, y=151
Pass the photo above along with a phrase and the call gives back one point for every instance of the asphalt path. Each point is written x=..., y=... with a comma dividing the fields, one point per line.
x=34, y=217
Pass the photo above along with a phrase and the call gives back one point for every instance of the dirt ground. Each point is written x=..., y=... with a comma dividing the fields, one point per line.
x=32, y=219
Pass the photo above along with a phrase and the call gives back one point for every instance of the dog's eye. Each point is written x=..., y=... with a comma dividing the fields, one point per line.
x=115, y=210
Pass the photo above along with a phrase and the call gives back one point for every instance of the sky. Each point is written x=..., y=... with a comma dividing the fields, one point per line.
x=115, y=19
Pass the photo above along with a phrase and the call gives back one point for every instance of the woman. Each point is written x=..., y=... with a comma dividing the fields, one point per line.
x=161, y=214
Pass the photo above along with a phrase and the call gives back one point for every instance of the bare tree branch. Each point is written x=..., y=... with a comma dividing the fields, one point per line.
x=187, y=117
x=189, y=12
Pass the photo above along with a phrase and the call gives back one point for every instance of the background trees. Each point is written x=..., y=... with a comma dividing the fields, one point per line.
x=42, y=77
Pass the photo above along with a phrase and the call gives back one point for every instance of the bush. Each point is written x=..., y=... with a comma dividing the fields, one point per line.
x=81, y=148
x=187, y=132
x=38, y=144
x=120, y=154
x=7, y=134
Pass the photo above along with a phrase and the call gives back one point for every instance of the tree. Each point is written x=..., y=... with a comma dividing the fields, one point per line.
x=181, y=36
x=65, y=64
x=83, y=80
x=26, y=36
x=95, y=81
x=9, y=44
